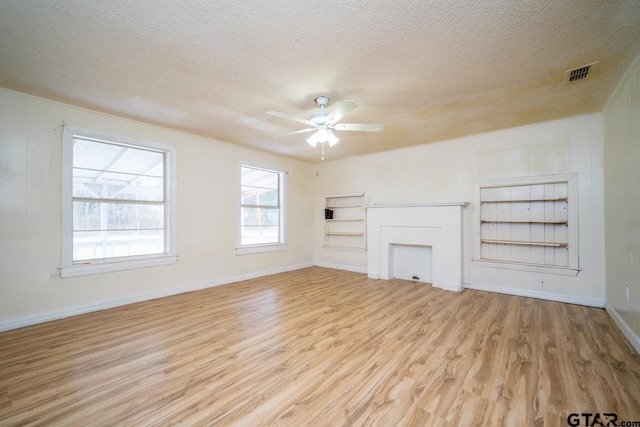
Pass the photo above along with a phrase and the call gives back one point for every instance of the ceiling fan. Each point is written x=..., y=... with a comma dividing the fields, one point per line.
x=324, y=121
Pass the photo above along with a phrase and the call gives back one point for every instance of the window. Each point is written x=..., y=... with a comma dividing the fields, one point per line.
x=118, y=203
x=261, y=209
x=529, y=224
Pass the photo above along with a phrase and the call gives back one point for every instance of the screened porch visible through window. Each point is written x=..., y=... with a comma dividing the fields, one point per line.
x=118, y=200
x=260, y=209
x=118, y=203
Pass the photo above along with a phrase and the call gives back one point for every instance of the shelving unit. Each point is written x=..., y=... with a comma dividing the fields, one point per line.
x=525, y=224
x=345, y=228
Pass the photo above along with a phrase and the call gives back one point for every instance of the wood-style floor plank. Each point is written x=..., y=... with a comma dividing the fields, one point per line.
x=320, y=347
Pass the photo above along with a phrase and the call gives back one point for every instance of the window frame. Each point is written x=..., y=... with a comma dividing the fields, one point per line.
x=68, y=267
x=281, y=245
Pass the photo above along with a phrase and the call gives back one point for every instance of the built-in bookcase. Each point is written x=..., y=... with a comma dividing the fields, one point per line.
x=344, y=226
x=529, y=222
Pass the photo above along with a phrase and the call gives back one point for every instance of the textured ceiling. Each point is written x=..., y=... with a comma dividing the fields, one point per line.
x=428, y=70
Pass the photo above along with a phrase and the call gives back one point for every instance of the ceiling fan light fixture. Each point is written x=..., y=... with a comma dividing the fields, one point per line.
x=313, y=140
x=332, y=139
x=321, y=136
x=323, y=121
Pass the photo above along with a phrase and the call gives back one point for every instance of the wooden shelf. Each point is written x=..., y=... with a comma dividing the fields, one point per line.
x=530, y=264
x=525, y=243
x=553, y=199
x=343, y=233
x=504, y=221
x=342, y=206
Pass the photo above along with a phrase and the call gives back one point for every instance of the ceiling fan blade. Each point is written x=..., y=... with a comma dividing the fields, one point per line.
x=362, y=127
x=289, y=117
x=294, y=133
x=341, y=109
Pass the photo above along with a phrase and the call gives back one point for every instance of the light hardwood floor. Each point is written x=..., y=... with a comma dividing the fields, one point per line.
x=321, y=347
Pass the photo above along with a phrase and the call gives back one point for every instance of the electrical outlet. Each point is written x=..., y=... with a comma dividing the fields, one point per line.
x=210, y=260
x=627, y=289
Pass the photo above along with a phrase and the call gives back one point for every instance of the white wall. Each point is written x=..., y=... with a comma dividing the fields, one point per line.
x=30, y=235
x=622, y=203
x=30, y=222
x=447, y=172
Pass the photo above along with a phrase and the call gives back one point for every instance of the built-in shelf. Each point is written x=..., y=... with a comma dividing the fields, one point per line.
x=504, y=221
x=546, y=199
x=343, y=233
x=342, y=206
x=528, y=221
x=344, y=226
x=525, y=243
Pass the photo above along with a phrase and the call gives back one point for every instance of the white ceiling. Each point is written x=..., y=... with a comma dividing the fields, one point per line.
x=428, y=70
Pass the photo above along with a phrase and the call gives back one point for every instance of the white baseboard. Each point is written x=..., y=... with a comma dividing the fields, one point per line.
x=633, y=338
x=571, y=299
x=344, y=267
x=117, y=302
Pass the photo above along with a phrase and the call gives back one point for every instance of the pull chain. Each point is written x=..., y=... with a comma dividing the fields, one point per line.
x=322, y=143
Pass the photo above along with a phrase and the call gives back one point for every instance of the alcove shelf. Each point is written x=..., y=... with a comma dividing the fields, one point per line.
x=528, y=220
x=344, y=224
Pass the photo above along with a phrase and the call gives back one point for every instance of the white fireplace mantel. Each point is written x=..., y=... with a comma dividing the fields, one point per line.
x=436, y=225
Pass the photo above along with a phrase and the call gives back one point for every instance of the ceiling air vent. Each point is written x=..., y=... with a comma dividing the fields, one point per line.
x=579, y=73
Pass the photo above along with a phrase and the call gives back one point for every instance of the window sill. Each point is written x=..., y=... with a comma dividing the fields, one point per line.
x=256, y=249
x=109, y=266
x=533, y=268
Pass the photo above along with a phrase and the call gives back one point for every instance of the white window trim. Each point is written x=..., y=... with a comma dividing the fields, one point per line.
x=572, y=189
x=81, y=268
x=282, y=245
x=256, y=249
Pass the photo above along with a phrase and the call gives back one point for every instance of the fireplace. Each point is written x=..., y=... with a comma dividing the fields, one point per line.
x=420, y=230
x=411, y=262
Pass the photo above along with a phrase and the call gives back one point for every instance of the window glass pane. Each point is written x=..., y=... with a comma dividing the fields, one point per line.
x=259, y=196
x=107, y=230
x=260, y=206
x=89, y=154
x=112, y=171
x=252, y=235
x=92, y=216
x=260, y=225
x=118, y=186
x=259, y=187
x=112, y=244
x=260, y=216
x=94, y=155
x=259, y=178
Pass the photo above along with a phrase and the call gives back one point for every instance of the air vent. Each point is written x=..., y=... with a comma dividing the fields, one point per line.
x=580, y=73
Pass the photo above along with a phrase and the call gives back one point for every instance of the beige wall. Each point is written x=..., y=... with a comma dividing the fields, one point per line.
x=447, y=172
x=30, y=243
x=30, y=206
x=622, y=202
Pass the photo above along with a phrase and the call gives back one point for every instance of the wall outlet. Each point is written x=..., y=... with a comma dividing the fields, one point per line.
x=211, y=260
